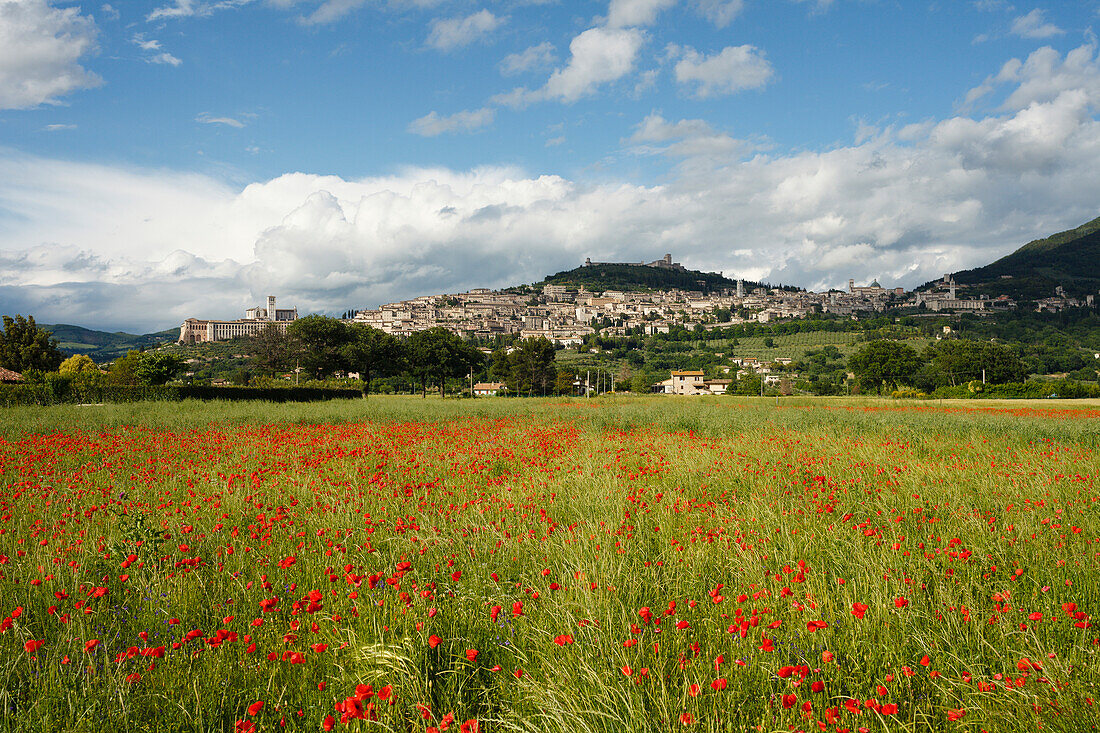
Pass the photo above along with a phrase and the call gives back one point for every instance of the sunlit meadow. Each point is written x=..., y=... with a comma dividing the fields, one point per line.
x=704, y=564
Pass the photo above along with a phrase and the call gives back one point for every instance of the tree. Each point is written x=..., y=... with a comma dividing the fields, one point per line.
x=240, y=377
x=78, y=364
x=273, y=350
x=123, y=370
x=371, y=352
x=156, y=367
x=884, y=362
x=563, y=384
x=531, y=367
x=321, y=340
x=958, y=361
x=23, y=346
x=436, y=354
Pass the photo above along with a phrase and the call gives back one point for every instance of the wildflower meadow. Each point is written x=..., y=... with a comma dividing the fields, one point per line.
x=620, y=564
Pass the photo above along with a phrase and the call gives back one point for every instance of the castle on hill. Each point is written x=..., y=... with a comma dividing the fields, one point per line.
x=665, y=263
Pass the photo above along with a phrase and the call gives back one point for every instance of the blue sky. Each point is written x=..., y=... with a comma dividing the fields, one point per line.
x=159, y=161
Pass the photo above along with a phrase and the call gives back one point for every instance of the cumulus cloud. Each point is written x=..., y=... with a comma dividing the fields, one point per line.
x=625, y=13
x=683, y=139
x=433, y=124
x=448, y=34
x=530, y=59
x=597, y=56
x=731, y=70
x=142, y=249
x=1034, y=25
x=40, y=50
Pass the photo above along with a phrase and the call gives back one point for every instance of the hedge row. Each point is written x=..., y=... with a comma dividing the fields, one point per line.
x=56, y=394
x=1033, y=389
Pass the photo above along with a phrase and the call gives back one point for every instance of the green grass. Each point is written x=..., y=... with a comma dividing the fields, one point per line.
x=790, y=511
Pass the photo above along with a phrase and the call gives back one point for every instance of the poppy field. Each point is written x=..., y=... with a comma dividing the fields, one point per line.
x=629, y=564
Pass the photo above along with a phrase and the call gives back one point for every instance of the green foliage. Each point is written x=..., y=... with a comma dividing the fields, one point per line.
x=156, y=368
x=23, y=346
x=321, y=340
x=531, y=367
x=59, y=390
x=241, y=377
x=881, y=363
x=435, y=354
x=954, y=361
x=78, y=364
x=272, y=350
x=371, y=352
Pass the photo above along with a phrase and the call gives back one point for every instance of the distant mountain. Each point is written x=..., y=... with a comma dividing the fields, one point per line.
x=1070, y=259
x=599, y=277
x=101, y=345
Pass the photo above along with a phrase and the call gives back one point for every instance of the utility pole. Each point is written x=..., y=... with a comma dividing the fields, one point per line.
x=471, y=381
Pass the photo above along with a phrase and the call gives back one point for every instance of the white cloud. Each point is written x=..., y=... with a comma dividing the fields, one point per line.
x=331, y=11
x=1034, y=25
x=684, y=139
x=451, y=33
x=433, y=124
x=142, y=249
x=189, y=8
x=719, y=12
x=58, y=127
x=819, y=6
x=990, y=6
x=209, y=119
x=597, y=56
x=163, y=58
x=731, y=70
x=530, y=59
x=150, y=46
x=627, y=13
x=40, y=50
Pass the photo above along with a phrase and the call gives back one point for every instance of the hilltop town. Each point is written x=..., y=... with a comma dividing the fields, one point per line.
x=565, y=314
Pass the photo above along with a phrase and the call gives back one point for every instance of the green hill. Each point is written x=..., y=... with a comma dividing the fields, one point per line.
x=597, y=278
x=1070, y=259
x=102, y=346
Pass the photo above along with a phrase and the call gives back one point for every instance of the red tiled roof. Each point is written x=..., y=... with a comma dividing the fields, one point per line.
x=7, y=375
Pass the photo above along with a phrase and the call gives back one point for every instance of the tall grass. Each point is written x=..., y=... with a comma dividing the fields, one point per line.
x=788, y=514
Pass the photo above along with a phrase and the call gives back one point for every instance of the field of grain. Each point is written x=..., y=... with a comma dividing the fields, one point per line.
x=622, y=564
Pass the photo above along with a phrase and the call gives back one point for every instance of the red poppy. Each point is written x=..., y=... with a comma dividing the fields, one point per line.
x=434, y=641
x=255, y=707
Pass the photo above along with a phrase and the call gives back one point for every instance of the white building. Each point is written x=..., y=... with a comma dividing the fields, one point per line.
x=257, y=318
